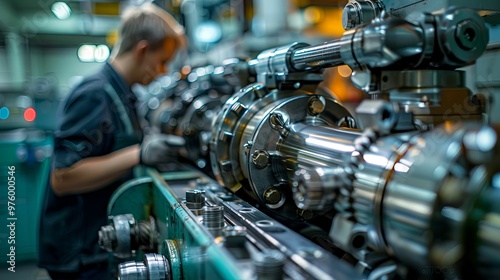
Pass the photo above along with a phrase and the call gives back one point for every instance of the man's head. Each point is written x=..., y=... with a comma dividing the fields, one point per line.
x=148, y=38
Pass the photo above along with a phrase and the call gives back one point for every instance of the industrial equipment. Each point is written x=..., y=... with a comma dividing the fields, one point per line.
x=302, y=189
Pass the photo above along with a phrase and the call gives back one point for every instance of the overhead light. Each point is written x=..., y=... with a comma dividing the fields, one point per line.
x=61, y=10
x=86, y=53
x=101, y=53
x=208, y=32
x=93, y=53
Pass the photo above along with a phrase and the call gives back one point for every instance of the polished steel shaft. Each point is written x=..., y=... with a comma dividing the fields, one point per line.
x=318, y=56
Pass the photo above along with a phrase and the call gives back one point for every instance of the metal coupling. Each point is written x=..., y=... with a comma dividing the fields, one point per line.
x=124, y=236
x=356, y=13
x=116, y=237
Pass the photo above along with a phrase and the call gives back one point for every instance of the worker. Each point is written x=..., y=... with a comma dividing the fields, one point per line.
x=98, y=142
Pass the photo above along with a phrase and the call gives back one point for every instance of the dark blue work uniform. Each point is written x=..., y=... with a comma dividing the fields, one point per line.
x=97, y=118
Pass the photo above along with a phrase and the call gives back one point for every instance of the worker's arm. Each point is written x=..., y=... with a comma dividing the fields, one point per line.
x=93, y=173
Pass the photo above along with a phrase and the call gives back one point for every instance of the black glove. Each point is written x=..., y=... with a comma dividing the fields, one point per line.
x=159, y=148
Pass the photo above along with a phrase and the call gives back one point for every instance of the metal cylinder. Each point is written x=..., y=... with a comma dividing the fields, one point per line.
x=360, y=12
x=316, y=57
x=213, y=219
x=157, y=266
x=275, y=60
x=269, y=265
x=153, y=267
x=132, y=271
x=318, y=145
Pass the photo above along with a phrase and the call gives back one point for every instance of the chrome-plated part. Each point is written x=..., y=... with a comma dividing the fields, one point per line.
x=132, y=270
x=269, y=265
x=274, y=61
x=378, y=115
x=356, y=13
x=316, y=188
x=375, y=45
x=406, y=191
x=431, y=96
x=153, y=267
x=213, y=219
x=157, y=266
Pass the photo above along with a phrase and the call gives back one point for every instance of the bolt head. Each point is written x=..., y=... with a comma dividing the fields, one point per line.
x=272, y=195
x=316, y=105
x=260, y=159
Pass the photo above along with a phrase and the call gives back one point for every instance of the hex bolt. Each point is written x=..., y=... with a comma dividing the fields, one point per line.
x=195, y=199
x=279, y=121
x=260, y=159
x=272, y=195
x=316, y=105
x=305, y=214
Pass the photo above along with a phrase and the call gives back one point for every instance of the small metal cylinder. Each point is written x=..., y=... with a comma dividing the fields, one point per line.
x=132, y=271
x=269, y=265
x=213, y=219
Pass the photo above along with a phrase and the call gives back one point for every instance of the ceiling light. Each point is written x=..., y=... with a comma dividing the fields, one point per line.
x=208, y=32
x=61, y=10
x=101, y=53
x=93, y=53
x=86, y=53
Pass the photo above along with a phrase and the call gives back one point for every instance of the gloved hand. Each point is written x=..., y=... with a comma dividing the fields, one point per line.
x=157, y=148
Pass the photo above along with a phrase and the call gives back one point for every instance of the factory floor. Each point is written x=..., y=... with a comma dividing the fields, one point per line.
x=24, y=271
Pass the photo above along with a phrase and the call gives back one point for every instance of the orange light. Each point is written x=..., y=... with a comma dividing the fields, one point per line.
x=30, y=114
x=313, y=15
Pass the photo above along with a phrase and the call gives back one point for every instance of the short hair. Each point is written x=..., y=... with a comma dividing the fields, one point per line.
x=150, y=23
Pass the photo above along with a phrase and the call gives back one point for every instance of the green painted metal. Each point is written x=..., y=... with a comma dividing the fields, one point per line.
x=133, y=197
x=29, y=153
x=192, y=251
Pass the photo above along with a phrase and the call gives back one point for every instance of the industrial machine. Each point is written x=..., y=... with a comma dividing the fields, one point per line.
x=301, y=188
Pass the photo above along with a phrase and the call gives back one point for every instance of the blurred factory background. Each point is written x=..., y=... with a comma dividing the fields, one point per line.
x=47, y=46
